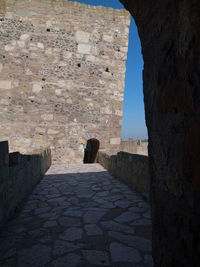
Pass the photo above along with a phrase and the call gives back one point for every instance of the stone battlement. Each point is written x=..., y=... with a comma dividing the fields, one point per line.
x=133, y=169
x=18, y=176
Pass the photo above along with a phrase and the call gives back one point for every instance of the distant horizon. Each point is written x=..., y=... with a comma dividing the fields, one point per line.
x=123, y=139
x=133, y=119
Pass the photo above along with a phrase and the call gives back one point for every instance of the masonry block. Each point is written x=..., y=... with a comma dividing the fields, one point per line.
x=70, y=81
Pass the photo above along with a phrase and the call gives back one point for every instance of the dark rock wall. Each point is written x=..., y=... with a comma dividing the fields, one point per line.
x=170, y=37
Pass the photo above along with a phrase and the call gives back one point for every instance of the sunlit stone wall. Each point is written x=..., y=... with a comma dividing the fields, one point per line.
x=62, y=71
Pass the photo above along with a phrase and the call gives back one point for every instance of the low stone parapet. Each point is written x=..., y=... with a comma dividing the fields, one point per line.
x=134, y=147
x=132, y=169
x=18, y=176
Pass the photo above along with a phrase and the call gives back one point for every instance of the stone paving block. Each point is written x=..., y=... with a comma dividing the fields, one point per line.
x=73, y=213
x=97, y=242
x=100, y=200
x=108, y=205
x=59, y=199
x=96, y=257
x=50, y=224
x=93, y=229
x=122, y=253
x=112, y=213
x=137, y=209
x=88, y=205
x=102, y=194
x=41, y=210
x=48, y=215
x=42, y=205
x=114, y=197
x=127, y=217
x=93, y=216
x=52, y=197
x=69, y=221
x=95, y=209
x=113, y=226
x=142, y=221
x=115, y=190
x=122, y=203
x=138, y=242
x=61, y=247
x=72, y=234
x=71, y=260
x=95, y=188
x=38, y=255
x=73, y=200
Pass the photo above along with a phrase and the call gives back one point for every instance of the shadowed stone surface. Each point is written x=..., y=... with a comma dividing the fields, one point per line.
x=37, y=255
x=95, y=257
x=72, y=234
x=58, y=227
x=70, y=260
x=170, y=37
x=119, y=252
x=92, y=229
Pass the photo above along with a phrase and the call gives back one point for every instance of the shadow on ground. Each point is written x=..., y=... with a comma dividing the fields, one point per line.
x=80, y=217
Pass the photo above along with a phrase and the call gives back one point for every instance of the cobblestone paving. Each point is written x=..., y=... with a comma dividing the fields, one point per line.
x=79, y=216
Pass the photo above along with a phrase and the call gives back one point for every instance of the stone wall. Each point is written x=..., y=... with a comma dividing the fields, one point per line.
x=134, y=147
x=129, y=168
x=62, y=71
x=18, y=176
x=170, y=36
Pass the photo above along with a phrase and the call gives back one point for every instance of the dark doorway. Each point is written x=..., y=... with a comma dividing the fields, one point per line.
x=91, y=150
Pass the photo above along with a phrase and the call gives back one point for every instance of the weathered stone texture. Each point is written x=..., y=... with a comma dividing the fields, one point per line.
x=61, y=75
x=18, y=176
x=170, y=36
x=52, y=230
x=129, y=168
x=134, y=147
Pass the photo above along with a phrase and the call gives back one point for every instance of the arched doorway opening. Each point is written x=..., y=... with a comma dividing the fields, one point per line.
x=90, y=154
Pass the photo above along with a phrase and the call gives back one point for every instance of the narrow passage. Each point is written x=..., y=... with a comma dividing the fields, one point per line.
x=79, y=215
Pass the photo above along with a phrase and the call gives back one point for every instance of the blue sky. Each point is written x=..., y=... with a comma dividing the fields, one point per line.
x=133, y=122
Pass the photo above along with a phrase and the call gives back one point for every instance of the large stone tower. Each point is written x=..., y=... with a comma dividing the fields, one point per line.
x=62, y=72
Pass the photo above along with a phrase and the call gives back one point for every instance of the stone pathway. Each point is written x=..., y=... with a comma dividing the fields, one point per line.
x=79, y=216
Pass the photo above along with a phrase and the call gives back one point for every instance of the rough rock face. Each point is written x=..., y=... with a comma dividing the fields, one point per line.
x=62, y=70
x=170, y=37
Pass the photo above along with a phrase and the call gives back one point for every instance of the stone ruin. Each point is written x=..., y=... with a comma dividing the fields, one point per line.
x=62, y=72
